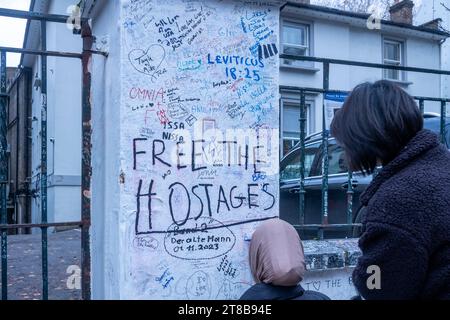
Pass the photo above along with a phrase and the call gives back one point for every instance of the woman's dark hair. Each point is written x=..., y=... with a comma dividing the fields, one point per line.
x=376, y=122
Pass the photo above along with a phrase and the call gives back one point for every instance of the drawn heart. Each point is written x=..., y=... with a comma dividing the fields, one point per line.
x=148, y=61
x=316, y=285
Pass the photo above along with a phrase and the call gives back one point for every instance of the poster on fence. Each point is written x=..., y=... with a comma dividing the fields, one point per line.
x=333, y=102
x=199, y=141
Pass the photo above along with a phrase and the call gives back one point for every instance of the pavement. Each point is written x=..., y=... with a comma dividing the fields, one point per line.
x=25, y=269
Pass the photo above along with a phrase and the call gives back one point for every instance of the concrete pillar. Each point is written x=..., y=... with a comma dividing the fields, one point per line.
x=185, y=157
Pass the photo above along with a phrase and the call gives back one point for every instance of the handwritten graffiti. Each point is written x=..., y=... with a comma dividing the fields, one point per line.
x=140, y=14
x=191, y=120
x=145, y=243
x=176, y=32
x=147, y=61
x=234, y=61
x=232, y=290
x=191, y=244
x=143, y=94
x=177, y=111
x=140, y=107
x=198, y=130
x=235, y=110
x=189, y=65
x=267, y=51
x=198, y=286
x=227, y=268
x=203, y=199
x=165, y=279
x=255, y=23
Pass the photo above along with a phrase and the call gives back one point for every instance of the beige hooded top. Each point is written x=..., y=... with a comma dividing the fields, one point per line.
x=276, y=254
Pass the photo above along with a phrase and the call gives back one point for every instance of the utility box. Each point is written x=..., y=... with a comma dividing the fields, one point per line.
x=186, y=146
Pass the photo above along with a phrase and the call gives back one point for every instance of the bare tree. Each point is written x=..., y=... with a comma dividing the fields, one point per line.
x=360, y=6
x=378, y=7
x=445, y=6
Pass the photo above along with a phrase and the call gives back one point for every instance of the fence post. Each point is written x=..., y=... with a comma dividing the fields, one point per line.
x=44, y=163
x=3, y=174
x=443, y=116
x=350, y=194
x=86, y=168
x=302, y=156
x=422, y=106
x=325, y=135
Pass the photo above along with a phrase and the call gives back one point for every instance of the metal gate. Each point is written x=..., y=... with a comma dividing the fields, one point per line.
x=302, y=91
x=84, y=223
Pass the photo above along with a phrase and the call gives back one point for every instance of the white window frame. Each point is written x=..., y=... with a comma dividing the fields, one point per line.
x=308, y=42
x=310, y=120
x=401, y=62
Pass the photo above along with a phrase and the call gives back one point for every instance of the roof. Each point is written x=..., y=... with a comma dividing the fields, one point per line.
x=32, y=34
x=364, y=16
x=33, y=30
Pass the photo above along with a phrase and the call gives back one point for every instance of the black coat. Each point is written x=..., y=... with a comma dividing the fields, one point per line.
x=406, y=226
x=262, y=291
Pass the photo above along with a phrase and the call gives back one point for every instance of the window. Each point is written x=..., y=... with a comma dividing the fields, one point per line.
x=393, y=55
x=291, y=124
x=296, y=41
x=337, y=162
x=290, y=168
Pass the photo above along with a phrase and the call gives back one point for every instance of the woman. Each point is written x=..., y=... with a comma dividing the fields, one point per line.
x=277, y=263
x=406, y=225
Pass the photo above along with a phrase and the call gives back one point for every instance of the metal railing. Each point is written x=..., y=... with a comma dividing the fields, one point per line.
x=302, y=91
x=85, y=218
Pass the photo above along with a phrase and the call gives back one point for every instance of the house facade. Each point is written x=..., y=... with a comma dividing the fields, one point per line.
x=328, y=33
x=432, y=11
x=19, y=146
x=64, y=117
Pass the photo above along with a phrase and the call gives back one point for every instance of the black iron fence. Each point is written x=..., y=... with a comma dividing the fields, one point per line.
x=85, y=218
x=302, y=92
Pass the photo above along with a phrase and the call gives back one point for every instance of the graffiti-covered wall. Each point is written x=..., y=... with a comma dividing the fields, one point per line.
x=199, y=144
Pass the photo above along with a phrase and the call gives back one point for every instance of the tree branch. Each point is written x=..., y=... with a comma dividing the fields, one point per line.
x=447, y=8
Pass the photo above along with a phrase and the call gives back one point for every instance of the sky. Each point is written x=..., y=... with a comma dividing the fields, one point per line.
x=12, y=30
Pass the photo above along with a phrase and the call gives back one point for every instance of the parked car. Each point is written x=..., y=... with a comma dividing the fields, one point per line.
x=337, y=182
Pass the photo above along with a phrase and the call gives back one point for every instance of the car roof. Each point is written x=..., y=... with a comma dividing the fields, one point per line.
x=432, y=121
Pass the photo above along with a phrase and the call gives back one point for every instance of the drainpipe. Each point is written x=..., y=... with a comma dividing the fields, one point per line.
x=441, y=53
x=17, y=210
x=27, y=152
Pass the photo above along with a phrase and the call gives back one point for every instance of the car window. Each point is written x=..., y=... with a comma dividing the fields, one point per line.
x=336, y=159
x=290, y=168
x=434, y=124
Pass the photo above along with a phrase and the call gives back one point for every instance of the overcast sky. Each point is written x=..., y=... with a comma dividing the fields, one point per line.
x=13, y=30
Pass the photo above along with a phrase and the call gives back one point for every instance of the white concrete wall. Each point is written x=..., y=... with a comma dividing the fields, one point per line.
x=36, y=143
x=116, y=266
x=427, y=14
x=64, y=123
x=106, y=158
